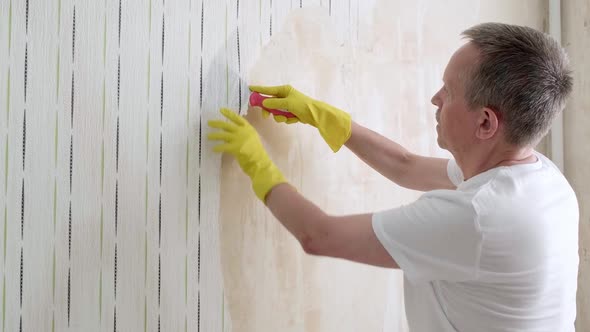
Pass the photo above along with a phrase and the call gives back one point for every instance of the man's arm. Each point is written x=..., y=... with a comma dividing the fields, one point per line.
x=398, y=164
x=348, y=237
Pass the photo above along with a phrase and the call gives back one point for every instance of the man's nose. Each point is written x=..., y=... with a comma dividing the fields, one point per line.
x=435, y=100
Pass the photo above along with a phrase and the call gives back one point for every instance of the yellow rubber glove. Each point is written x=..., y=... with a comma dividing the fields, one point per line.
x=334, y=124
x=242, y=141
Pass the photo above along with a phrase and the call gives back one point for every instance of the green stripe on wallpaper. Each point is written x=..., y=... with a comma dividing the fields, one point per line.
x=150, y=19
x=100, y=299
x=4, y=303
x=226, y=62
x=5, y=229
x=104, y=39
x=147, y=158
x=55, y=158
x=101, y=230
x=190, y=29
x=6, y=165
x=145, y=260
x=5, y=237
x=54, y=205
x=53, y=274
x=102, y=162
x=145, y=315
x=55, y=161
x=55, y=139
x=58, y=16
x=102, y=170
x=149, y=71
x=57, y=69
x=7, y=99
x=9, y=26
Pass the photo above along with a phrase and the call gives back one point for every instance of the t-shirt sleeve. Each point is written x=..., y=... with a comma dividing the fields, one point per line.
x=435, y=238
x=454, y=172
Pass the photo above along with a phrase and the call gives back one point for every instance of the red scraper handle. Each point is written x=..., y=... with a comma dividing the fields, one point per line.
x=256, y=99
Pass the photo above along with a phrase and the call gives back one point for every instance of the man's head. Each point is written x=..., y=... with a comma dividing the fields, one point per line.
x=507, y=83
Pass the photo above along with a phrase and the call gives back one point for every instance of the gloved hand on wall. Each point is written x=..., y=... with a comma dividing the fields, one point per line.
x=333, y=124
x=241, y=140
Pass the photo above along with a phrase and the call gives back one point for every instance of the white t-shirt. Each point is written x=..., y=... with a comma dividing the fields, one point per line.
x=499, y=253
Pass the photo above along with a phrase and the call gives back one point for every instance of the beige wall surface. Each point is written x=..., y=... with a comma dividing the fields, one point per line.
x=576, y=39
x=383, y=69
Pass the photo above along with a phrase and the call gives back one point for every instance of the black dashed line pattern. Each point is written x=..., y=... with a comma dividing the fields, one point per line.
x=201, y=84
x=159, y=287
x=115, y=274
x=200, y=158
x=163, y=32
x=26, y=67
x=162, y=95
x=74, y=35
x=116, y=212
x=21, y=290
x=118, y=78
x=27, y=17
x=239, y=68
x=119, y=24
x=117, y=144
x=69, y=294
x=70, y=231
x=159, y=220
x=161, y=157
x=159, y=278
x=71, y=160
x=117, y=147
x=24, y=136
x=72, y=103
x=199, y=280
x=21, y=279
x=270, y=10
x=72, y=98
x=22, y=212
x=201, y=66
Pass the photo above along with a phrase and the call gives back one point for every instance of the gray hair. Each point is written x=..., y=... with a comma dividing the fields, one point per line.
x=521, y=73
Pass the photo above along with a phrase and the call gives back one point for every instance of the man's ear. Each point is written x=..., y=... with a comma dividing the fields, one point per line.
x=488, y=123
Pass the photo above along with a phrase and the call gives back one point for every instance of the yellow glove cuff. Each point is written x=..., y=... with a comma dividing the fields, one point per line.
x=333, y=124
x=266, y=178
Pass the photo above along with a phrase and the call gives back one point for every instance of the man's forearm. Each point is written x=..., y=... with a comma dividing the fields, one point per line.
x=396, y=163
x=300, y=216
x=349, y=237
x=385, y=156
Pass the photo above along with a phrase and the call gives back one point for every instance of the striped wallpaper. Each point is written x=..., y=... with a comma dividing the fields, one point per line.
x=109, y=193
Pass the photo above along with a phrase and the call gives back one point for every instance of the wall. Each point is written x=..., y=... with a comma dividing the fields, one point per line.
x=383, y=71
x=112, y=214
x=576, y=39
x=109, y=198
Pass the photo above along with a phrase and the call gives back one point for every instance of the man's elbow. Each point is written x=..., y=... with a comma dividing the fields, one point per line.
x=311, y=245
x=314, y=240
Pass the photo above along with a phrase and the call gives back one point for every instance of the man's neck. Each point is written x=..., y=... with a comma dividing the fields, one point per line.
x=485, y=159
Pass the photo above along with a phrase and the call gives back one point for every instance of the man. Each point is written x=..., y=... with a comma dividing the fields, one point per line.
x=492, y=244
